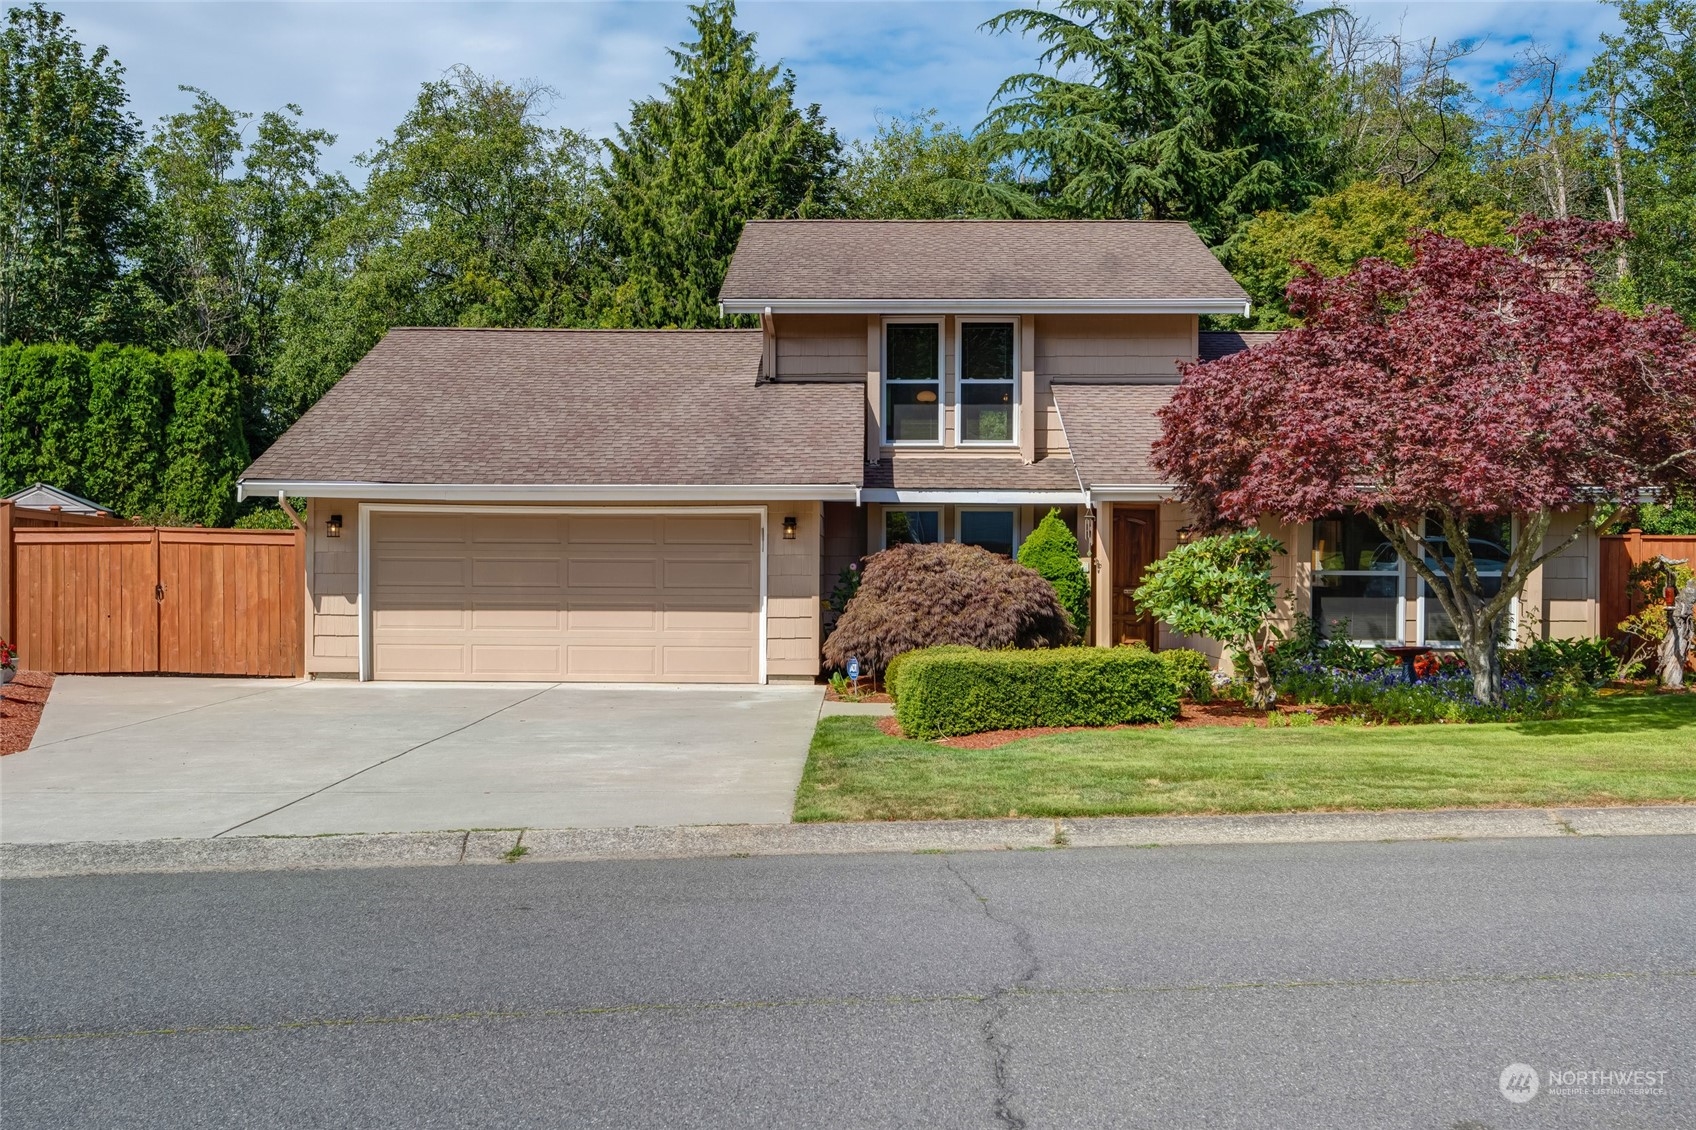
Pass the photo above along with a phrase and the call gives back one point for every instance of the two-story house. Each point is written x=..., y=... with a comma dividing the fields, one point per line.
x=675, y=505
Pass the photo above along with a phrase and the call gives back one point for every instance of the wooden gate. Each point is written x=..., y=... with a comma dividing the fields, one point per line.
x=1620, y=552
x=143, y=599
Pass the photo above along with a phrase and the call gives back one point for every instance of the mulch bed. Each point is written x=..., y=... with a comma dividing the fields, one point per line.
x=21, y=702
x=1191, y=715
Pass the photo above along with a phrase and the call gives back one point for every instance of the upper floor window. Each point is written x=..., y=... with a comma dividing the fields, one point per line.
x=988, y=368
x=912, y=382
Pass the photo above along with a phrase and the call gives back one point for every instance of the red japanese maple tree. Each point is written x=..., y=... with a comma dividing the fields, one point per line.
x=1476, y=383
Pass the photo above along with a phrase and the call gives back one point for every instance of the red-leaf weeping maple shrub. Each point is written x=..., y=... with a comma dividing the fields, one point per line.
x=1476, y=382
x=914, y=596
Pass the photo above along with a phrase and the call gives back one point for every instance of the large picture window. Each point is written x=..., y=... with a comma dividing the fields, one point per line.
x=912, y=382
x=1489, y=540
x=1357, y=581
x=988, y=368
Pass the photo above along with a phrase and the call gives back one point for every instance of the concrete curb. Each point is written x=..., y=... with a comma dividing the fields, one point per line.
x=265, y=853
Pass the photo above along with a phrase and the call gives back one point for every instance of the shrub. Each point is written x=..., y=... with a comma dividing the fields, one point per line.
x=892, y=676
x=1220, y=587
x=1052, y=550
x=914, y=596
x=944, y=692
x=1589, y=661
x=1303, y=646
x=1191, y=672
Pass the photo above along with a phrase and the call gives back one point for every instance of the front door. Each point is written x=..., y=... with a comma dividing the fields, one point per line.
x=1134, y=529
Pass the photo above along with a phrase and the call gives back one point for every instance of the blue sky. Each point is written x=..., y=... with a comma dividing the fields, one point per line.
x=355, y=67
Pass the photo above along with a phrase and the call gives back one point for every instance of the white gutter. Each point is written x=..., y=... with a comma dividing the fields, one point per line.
x=1132, y=492
x=985, y=306
x=288, y=508
x=551, y=492
x=977, y=497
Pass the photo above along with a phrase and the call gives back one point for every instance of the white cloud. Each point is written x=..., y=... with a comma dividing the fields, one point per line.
x=355, y=68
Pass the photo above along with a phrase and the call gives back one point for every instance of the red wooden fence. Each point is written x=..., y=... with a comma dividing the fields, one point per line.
x=145, y=599
x=1620, y=552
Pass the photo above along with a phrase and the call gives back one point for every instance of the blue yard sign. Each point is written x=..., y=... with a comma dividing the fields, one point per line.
x=854, y=668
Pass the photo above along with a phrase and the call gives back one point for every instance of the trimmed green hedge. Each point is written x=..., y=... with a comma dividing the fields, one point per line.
x=892, y=676
x=942, y=692
x=1190, y=670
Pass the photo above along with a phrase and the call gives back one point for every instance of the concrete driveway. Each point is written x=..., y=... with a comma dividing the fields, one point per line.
x=151, y=758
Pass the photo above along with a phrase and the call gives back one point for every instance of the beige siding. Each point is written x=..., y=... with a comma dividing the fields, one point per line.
x=792, y=589
x=332, y=597
x=810, y=346
x=1113, y=346
x=1563, y=595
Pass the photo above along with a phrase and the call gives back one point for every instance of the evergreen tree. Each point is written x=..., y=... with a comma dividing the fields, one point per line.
x=918, y=168
x=1202, y=110
x=123, y=443
x=1052, y=551
x=43, y=407
x=205, y=449
x=71, y=191
x=724, y=145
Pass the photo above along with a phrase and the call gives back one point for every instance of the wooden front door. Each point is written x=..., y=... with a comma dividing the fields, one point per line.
x=1134, y=542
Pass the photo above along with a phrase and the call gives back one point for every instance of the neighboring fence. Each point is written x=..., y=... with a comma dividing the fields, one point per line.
x=108, y=599
x=1620, y=553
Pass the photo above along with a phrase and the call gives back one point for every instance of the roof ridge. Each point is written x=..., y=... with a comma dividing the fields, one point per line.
x=576, y=329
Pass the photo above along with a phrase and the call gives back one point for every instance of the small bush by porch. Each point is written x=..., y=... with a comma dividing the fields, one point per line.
x=1613, y=749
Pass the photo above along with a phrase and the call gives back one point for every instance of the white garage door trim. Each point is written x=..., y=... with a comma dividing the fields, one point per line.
x=366, y=509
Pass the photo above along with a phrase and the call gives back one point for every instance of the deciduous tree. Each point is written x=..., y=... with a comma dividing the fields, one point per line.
x=1475, y=383
x=71, y=191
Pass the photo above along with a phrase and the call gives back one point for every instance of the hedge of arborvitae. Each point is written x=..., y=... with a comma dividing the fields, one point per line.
x=149, y=435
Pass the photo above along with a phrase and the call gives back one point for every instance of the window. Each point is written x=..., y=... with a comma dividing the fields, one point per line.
x=911, y=527
x=989, y=529
x=988, y=368
x=1489, y=540
x=912, y=382
x=1357, y=581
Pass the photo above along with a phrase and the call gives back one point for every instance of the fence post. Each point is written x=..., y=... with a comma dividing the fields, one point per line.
x=8, y=597
x=1634, y=546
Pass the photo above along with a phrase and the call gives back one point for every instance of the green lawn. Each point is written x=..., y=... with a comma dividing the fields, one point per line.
x=1623, y=749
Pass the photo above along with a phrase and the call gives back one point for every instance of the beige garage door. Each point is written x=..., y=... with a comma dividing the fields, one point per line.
x=618, y=597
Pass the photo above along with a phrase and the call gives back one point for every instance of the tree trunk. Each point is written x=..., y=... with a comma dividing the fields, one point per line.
x=1484, y=661
x=1264, y=693
x=1681, y=630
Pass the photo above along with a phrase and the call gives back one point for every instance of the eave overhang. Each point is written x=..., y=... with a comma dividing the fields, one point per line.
x=550, y=492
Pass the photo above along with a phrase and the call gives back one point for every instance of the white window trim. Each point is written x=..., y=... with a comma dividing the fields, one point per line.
x=367, y=509
x=960, y=513
x=883, y=521
x=1419, y=605
x=941, y=384
x=960, y=382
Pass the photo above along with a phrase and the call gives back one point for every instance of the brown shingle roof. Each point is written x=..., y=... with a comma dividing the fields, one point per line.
x=966, y=260
x=571, y=406
x=1212, y=345
x=972, y=472
x=1110, y=428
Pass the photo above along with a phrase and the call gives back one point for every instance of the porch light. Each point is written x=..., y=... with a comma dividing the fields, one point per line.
x=789, y=528
x=926, y=396
x=333, y=527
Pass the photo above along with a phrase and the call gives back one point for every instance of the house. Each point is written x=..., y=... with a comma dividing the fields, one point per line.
x=41, y=496
x=674, y=505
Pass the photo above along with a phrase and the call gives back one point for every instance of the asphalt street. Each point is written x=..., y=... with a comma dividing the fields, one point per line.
x=1340, y=985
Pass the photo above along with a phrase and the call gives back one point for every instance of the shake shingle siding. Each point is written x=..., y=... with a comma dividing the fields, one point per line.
x=662, y=407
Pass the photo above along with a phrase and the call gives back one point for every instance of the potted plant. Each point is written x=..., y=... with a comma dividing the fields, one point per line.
x=8, y=662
